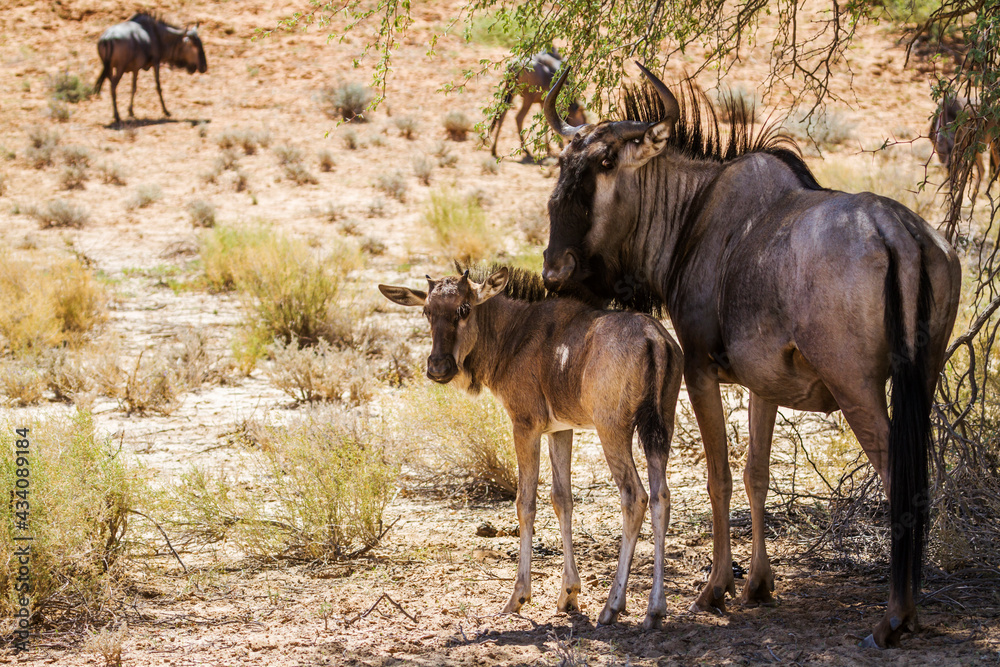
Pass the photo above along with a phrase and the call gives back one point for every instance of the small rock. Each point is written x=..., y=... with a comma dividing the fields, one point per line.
x=486, y=529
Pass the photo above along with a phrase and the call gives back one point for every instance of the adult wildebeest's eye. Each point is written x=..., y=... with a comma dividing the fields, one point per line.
x=464, y=310
x=637, y=140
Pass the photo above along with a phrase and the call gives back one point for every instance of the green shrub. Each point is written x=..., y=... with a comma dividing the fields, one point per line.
x=67, y=87
x=459, y=224
x=81, y=495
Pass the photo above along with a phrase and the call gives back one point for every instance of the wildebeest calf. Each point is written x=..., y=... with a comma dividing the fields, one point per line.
x=558, y=364
x=143, y=42
x=952, y=130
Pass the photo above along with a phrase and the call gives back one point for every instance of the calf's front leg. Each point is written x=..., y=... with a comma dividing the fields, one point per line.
x=561, y=454
x=527, y=440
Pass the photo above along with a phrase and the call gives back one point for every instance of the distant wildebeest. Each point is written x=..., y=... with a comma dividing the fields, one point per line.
x=533, y=80
x=143, y=42
x=557, y=364
x=952, y=130
x=810, y=298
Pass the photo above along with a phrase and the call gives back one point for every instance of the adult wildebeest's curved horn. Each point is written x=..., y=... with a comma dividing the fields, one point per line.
x=670, y=104
x=557, y=123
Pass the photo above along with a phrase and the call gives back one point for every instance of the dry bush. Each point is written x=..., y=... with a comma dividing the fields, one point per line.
x=347, y=100
x=534, y=222
x=59, y=213
x=351, y=139
x=445, y=157
x=202, y=213
x=457, y=125
x=299, y=174
x=151, y=385
x=326, y=160
x=41, y=149
x=3, y=184
x=460, y=441
x=144, y=195
x=393, y=184
x=459, y=224
x=111, y=173
x=373, y=246
x=58, y=111
x=67, y=87
x=320, y=373
x=422, y=169
x=248, y=140
x=78, y=156
x=107, y=644
x=332, y=213
x=407, y=126
x=73, y=177
x=194, y=363
x=376, y=208
x=68, y=375
x=20, y=382
x=81, y=495
x=46, y=301
x=320, y=489
x=489, y=166
x=287, y=154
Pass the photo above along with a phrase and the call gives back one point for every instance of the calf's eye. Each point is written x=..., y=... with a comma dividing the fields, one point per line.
x=606, y=163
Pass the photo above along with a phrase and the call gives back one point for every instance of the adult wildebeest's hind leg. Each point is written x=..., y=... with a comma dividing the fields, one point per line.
x=156, y=75
x=135, y=76
x=561, y=455
x=706, y=400
x=116, y=76
x=616, y=440
x=760, y=581
x=527, y=441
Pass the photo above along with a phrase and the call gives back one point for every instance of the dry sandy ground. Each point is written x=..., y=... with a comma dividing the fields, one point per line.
x=447, y=582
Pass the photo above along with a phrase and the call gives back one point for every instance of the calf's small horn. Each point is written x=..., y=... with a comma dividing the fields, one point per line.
x=670, y=104
x=557, y=123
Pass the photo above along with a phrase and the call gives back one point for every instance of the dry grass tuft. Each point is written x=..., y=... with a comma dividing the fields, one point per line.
x=108, y=644
x=326, y=160
x=111, y=173
x=457, y=125
x=461, y=441
x=320, y=373
x=407, y=126
x=422, y=169
x=41, y=149
x=202, y=213
x=145, y=195
x=393, y=184
x=20, y=382
x=45, y=301
x=347, y=100
x=59, y=213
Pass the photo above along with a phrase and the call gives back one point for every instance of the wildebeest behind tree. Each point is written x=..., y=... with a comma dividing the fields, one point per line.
x=143, y=42
x=810, y=298
x=953, y=128
x=532, y=82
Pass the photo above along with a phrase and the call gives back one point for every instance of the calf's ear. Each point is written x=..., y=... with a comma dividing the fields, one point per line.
x=492, y=286
x=404, y=296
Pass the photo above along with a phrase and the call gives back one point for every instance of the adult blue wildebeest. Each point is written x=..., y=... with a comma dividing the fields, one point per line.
x=143, y=42
x=810, y=298
x=533, y=79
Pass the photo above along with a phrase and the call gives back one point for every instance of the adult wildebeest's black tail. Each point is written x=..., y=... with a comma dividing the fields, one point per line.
x=105, y=47
x=909, y=430
x=648, y=420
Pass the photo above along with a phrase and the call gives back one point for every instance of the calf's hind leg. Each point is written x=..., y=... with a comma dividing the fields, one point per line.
x=617, y=444
x=561, y=454
x=527, y=441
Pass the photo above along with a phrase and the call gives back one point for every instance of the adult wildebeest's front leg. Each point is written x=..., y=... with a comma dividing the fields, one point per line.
x=760, y=581
x=156, y=75
x=131, y=100
x=530, y=98
x=617, y=443
x=706, y=399
x=527, y=441
x=561, y=454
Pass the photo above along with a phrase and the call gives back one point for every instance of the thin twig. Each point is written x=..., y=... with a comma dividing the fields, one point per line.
x=164, y=533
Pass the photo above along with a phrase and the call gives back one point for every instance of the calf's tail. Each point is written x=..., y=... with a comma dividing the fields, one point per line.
x=654, y=436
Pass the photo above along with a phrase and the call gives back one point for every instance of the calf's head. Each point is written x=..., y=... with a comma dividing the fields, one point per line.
x=449, y=305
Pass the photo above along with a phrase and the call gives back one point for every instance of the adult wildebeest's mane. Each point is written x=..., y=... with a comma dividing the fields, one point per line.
x=697, y=135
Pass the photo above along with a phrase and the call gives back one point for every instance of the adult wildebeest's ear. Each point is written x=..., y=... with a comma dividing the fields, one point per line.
x=404, y=296
x=653, y=143
x=492, y=285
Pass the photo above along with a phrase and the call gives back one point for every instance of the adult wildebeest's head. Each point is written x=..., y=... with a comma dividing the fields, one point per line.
x=448, y=305
x=598, y=170
x=190, y=53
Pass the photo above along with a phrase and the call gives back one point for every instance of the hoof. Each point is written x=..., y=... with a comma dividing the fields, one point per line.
x=652, y=622
x=869, y=642
x=890, y=629
x=608, y=616
x=758, y=594
x=515, y=604
x=711, y=600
